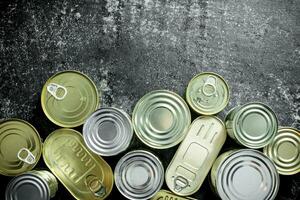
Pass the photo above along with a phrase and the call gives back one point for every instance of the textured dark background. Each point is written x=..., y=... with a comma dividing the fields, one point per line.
x=130, y=47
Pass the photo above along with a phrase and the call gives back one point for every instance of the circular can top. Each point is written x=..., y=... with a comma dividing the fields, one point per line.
x=139, y=175
x=207, y=93
x=108, y=131
x=247, y=174
x=68, y=98
x=20, y=147
x=161, y=119
x=284, y=150
x=255, y=125
x=27, y=186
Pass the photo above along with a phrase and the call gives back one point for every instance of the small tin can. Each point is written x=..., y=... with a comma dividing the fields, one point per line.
x=253, y=125
x=86, y=175
x=21, y=147
x=37, y=185
x=139, y=175
x=207, y=93
x=284, y=150
x=244, y=174
x=195, y=155
x=161, y=119
x=167, y=195
x=108, y=131
x=68, y=98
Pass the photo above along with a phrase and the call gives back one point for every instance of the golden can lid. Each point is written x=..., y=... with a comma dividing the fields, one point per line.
x=207, y=93
x=284, y=150
x=68, y=98
x=86, y=175
x=167, y=195
x=20, y=146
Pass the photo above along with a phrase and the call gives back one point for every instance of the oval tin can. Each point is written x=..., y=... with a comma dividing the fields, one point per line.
x=195, y=155
x=161, y=119
x=108, y=131
x=68, y=98
x=244, y=174
x=167, y=195
x=86, y=175
x=284, y=150
x=139, y=175
x=21, y=147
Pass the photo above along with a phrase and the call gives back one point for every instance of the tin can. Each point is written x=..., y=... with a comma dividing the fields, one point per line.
x=207, y=93
x=253, y=125
x=68, y=98
x=139, y=175
x=284, y=150
x=86, y=175
x=161, y=119
x=167, y=195
x=108, y=131
x=21, y=147
x=244, y=174
x=195, y=155
x=37, y=185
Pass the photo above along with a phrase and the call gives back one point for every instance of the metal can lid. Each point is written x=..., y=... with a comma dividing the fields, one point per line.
x=27, y=186
x=20, y=147
x=167, y=195
x=68, y=98
x=108, y=131
x=284, y=150
x=247, y=174
x=255, y=125
x=207, y=93
x=139, y=175
x=161, y=119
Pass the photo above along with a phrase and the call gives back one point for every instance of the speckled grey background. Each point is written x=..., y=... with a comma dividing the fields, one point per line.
x=130, y=47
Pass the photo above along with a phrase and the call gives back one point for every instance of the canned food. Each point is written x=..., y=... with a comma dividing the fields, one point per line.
x=244, y=174
x=68, y=98
x=37, y=185
x=21, y=147
x=86, y=175
x=166, y=195
x=108, y=131
x=161, y=119
x=284, y=150
x=253, y=125
x=207, y=93
x=195, y=156
x=139, y=175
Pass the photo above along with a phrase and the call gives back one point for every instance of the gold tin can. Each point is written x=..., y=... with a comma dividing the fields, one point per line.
x=195, y=155
x=21, y=147
x=86, y=175
x=68, y=98
x=167, y=195
x=284, y=150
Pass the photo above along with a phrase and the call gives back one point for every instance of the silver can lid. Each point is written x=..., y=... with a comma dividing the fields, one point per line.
x=247, y=174
x=108, y=131
x=139, y=175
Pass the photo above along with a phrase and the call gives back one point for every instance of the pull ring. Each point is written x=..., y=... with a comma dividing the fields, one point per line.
x=53, y=89
x=180, y=183
x=210, y=86
x=95, y=185
x=29, y=158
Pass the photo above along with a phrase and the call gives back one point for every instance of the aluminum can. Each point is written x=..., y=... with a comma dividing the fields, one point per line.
x=167, y=195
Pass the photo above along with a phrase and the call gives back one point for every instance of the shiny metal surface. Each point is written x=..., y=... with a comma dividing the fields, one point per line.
x=167, y=195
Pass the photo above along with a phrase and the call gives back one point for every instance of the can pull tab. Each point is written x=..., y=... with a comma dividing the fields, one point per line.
x=210, y=86
x=53, y=90
x=26, y=156
x=180, y=183
x=95, y=185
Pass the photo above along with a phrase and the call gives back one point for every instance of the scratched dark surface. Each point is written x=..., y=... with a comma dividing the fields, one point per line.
x=130, y=47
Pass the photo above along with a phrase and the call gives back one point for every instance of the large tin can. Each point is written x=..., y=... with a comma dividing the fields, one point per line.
x=139, y=175
x=21, y=147
x=86, y=175
x=253, y=125
x=284, y=150
x=244, y=174
x=32, y=185
x=68, y=98
x=108, y=131
x=161, y=119
x=195, y=155
x=167, y=195
x=207, y=93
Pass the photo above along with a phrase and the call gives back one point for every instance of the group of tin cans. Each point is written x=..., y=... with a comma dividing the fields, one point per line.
x=161, y=119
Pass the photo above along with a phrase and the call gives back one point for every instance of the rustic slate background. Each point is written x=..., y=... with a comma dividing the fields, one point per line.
x=130, y=47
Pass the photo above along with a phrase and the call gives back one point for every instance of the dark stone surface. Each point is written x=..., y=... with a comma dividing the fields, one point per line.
x=130, y=47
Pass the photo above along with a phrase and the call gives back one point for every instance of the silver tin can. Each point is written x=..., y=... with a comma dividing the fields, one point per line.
x=139, y=175
x=108, y=131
